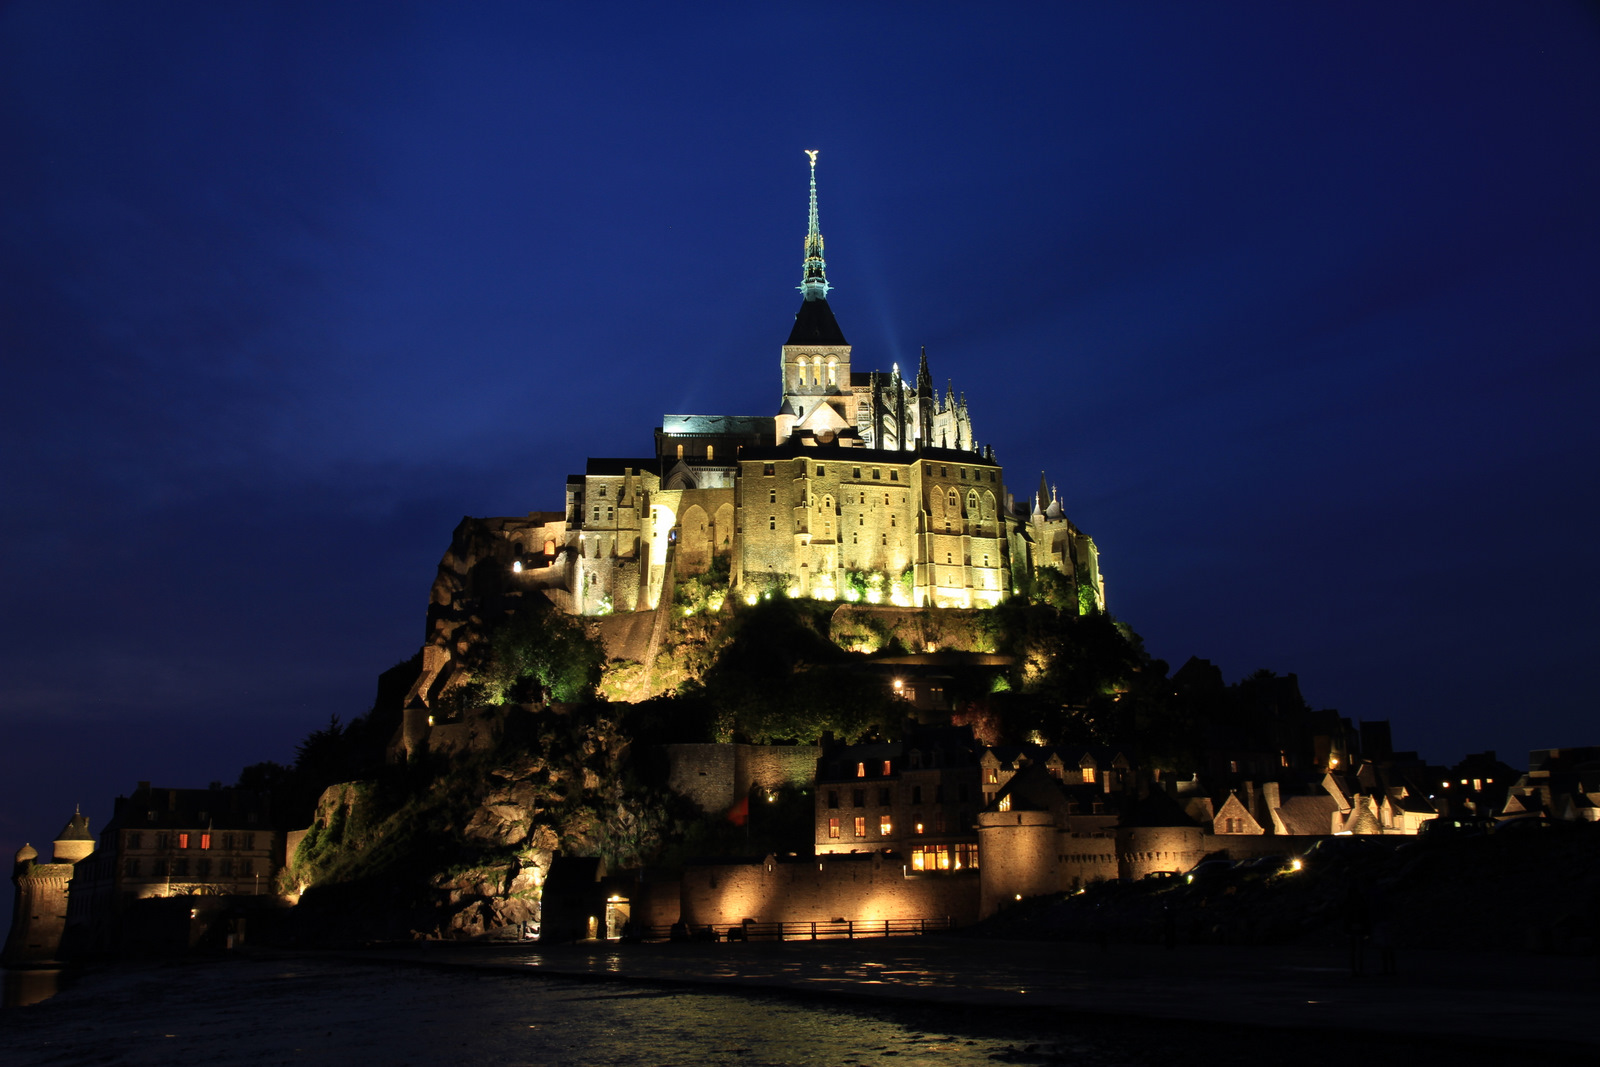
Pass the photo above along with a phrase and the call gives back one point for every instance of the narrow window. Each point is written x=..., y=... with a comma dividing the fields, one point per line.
x=861, y=772
x=833, y=372
x=917, y=828
x=877, y=473
x=772, y=522
x=894, y=476
x=893, y=520
x=885, y=798
x=858, y=798
x=772, y=496
x=821, y=471
x=183, y=840
x=205, y=840
x=886, y=538
x=886, y=498
x=602, y=492
x=680, y=451
x=861, y=826
x=885, y=826
x=994, y=776
x=833, y=829
x=861, y=520
x=833, y=798
x=916, y=794
x=885, y=766
x=711, y=452
x=855, y=472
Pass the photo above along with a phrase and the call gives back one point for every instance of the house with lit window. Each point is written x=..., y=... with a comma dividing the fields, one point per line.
x=170, y=843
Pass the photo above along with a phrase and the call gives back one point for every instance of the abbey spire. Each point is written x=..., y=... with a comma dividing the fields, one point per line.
x=814, y=279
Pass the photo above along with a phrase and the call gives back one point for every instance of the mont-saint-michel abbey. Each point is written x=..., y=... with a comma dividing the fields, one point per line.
x=868, y=484
x=802, y=675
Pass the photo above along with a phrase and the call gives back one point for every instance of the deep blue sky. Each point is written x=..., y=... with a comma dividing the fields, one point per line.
x=1297, y=303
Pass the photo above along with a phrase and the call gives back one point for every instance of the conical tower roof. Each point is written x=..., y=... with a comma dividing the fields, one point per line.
x=77, y=828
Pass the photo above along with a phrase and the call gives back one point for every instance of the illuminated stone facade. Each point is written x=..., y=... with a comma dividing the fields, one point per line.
x=865, y=485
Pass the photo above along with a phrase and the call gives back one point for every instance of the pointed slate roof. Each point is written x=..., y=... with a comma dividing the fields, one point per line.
x=814, y=324
x=77, y=829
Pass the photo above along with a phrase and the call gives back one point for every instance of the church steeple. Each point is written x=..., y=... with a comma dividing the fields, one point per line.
x=814, y=280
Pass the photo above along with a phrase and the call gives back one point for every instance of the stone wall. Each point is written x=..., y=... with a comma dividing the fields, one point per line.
x=864, y=887
x=40, y=916
x=716, y=776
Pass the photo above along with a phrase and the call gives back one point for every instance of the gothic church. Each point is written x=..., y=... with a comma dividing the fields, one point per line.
x=865, y=485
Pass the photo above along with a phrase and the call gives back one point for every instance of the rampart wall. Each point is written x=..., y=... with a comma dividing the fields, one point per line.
x=862, y=887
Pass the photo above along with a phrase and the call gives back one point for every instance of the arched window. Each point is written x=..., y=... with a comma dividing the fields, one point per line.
x=953, y=504
x=972, y=506
x=833, y=372
x=827, y=503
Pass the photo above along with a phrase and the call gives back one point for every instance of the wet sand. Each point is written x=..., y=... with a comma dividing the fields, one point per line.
x=948, y=1002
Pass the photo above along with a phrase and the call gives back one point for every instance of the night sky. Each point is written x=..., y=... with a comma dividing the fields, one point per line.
x=1298, y=304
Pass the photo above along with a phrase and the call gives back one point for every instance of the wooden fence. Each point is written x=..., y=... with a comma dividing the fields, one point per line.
x=834, y=930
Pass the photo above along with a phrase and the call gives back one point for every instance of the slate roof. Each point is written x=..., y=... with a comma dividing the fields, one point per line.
x=77, y=829
x=1307, y=815
x=814, y=324
x=720, y=425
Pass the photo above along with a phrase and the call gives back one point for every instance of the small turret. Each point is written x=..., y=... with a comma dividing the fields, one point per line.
x=26, y=854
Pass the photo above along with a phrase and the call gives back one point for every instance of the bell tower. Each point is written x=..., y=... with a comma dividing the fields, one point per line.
x=815, y=364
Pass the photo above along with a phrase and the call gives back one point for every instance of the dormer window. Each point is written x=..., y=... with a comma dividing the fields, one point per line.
x=602, y=491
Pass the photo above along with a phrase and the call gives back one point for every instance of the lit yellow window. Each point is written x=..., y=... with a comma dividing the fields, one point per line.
x=885, y=825
x=1005, y=802
x=885, y=766
x=861, y=770
x=861, y=826
x=1088, y=774
x=833, y=372
x=918, y=859
x=833, y=829
x=919, y=828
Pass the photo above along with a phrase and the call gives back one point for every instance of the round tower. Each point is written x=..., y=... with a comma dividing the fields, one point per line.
x=74, y=842
x=1018, y=853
